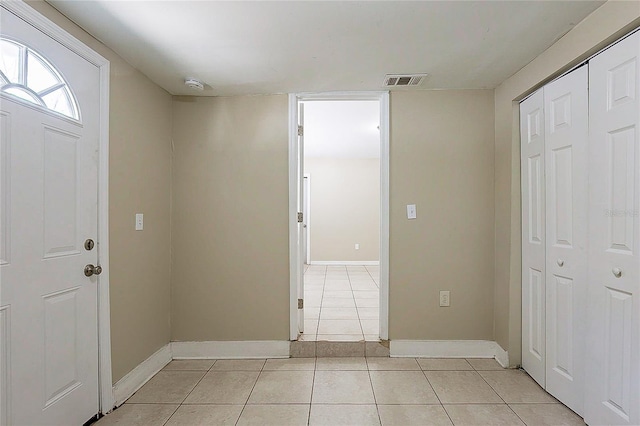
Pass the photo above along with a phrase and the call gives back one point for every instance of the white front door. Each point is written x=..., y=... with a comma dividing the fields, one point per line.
x=532, y=136
x=613, y=348
x=49, y=121
x=566, y=156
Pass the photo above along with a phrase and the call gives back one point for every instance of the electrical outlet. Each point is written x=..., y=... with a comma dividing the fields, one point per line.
x=357, y=246
x=445, y=299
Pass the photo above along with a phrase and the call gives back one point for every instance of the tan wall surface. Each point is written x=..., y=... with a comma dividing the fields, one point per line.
x=345, y=208
x=230, y=278
x=600, y=28
x=230, y=235
x=140, y=158
x=442, y=160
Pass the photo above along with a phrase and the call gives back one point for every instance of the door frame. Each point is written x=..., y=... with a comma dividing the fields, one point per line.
x=49, y=28
x=294, y=260
x=307, y=216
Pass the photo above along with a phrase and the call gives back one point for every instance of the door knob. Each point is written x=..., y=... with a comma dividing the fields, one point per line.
x=560, y=262
x=617, y=272
x=90, y=270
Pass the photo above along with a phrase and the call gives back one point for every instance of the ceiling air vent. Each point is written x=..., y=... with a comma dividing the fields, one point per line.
x=403, y=80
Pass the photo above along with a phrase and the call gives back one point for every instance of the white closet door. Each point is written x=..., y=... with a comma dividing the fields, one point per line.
x=566, y=157
x=613, y=355
x=533, y=236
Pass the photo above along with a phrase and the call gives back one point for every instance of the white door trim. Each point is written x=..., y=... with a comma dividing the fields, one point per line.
x=307, y=216
x=383, y=98
x=293, y=217
x=31, y=16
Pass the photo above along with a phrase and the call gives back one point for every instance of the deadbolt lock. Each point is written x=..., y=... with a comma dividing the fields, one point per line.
x=89, y=244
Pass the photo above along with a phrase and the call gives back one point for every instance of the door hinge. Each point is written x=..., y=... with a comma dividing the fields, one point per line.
x=300, y=303
x=300, y=217
x=300, y=130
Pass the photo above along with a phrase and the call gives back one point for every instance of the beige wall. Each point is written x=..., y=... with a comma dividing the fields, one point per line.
x=139, y=157
x=442, y=160
x=230, y=277
x=600, y=28
x=345, y=208
x=230, y=234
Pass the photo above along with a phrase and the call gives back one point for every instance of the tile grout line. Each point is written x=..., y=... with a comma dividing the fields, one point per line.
x=434, y=392
x=324, y=283
x=375, y=400
x=196, y=385
x=324, y=279
x=172, y=414
x=372, y=279
x=313, y=382
x=353, y=296
x=191, y=391
x=358, y=308
x=492, y=388
x=324, y=286
x=513, y=411
x=252, y=388
x=506, y=403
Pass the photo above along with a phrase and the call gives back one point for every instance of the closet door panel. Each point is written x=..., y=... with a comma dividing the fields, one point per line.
x=533, y=236
x=566, y=158
x=613, y=356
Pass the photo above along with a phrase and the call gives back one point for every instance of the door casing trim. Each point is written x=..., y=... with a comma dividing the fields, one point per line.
x=383, y=98
x=38, y=21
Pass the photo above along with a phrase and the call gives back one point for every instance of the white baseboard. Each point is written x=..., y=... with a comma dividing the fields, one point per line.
x=502, y=356
x=140, y=375
x=449, y=349
x=345, y=262
x=231, y=350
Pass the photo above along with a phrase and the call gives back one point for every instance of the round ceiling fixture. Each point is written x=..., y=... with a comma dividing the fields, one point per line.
x=194, y=84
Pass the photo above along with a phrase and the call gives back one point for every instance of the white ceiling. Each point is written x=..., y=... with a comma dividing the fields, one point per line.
x=254, y=47
x=341, y=129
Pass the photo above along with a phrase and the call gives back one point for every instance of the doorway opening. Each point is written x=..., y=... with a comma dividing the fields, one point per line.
x=339, y=209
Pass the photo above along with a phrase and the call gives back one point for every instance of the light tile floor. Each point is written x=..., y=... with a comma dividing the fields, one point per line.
x=341, y=303
x=340, y=391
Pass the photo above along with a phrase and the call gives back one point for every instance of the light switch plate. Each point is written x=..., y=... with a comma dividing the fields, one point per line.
x=445, y=298
x=411, y=211
x=139, y=221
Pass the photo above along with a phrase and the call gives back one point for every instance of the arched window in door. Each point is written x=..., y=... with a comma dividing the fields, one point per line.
x=26, y=75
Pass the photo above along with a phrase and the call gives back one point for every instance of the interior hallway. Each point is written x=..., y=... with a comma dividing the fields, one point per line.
x=341, y=303
x=340, y=391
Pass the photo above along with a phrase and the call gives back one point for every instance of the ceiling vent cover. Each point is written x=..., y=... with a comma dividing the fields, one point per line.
x=403, y=80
